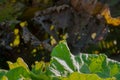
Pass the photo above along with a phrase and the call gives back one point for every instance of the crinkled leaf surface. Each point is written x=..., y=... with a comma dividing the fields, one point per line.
x=17, y=73
x=65, y=66
x=18, y=70
x=64, y=63
x=80, y=76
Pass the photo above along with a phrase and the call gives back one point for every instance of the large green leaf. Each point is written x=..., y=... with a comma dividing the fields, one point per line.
x=17, y=74
x=64, y=63
x=65, y=66
x=80, y=76
x=18, y=70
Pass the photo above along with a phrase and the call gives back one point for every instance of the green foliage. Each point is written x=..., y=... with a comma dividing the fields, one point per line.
x=112, y=2
x=15, y=11
x=17, y=73
x=18, y=63
x=38, y=71
x=81, y=76
x=19, y=69
x=10, y=11
x=2, y=73
x=64, y=63
x=65, y=66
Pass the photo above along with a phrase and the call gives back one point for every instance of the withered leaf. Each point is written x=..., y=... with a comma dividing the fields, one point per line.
x=109, y=19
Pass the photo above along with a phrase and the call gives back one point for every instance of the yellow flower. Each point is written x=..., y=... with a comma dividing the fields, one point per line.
x=16, y=42
x=23, y=24
x=11, y=44
x=52, y=27
x=93, y=35
x=16, y=31
x=65, y=36
x=53, y=41
x=17, y=37
x=34, y=50
x=96, y=52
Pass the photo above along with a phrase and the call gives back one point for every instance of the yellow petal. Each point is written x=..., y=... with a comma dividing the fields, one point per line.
x=52, y=27
x=23, y=24
x=16, y=42
x=34, y=50
x=53, y=41
x=93, y=35
x=16, y=31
